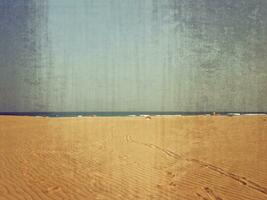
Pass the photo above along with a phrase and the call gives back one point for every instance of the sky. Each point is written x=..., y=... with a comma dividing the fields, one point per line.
x=133, y=55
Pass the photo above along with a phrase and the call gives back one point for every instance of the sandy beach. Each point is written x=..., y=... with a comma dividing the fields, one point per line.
x=174, y=157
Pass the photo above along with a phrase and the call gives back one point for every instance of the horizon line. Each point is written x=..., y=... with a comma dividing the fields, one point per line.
x=125, y=113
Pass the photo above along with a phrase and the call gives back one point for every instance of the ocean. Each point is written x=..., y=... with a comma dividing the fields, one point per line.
x=114, y=114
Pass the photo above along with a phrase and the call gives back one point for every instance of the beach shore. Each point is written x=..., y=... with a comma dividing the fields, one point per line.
x=171, y=157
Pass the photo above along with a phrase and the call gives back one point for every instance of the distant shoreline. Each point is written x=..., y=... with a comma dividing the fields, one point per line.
x=124, y=114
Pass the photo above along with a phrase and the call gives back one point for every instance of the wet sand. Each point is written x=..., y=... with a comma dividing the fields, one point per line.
x=187, y=158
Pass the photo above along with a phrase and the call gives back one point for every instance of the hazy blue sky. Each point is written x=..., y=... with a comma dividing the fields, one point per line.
x=133, y=55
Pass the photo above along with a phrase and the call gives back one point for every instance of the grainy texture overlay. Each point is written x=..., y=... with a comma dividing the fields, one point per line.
x=133, y=55
x=187, y=158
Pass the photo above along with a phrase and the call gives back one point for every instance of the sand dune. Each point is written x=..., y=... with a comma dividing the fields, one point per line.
x=187, y=158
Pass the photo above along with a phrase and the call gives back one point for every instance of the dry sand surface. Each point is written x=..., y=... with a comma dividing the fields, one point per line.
x=190, y=157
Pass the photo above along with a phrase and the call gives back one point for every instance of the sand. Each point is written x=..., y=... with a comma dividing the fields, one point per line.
x=188, y=157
